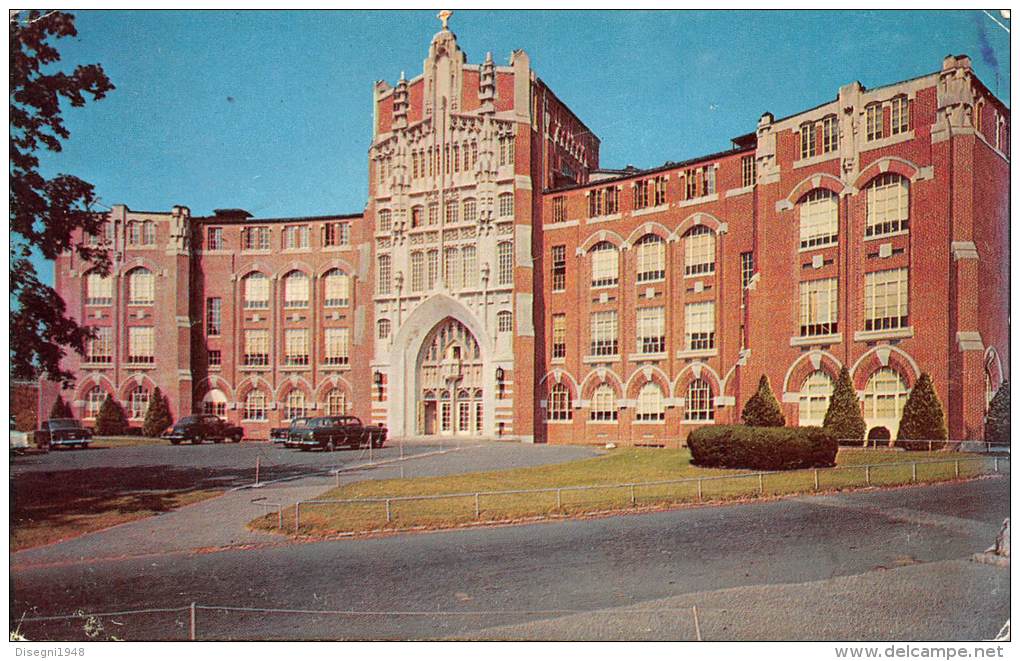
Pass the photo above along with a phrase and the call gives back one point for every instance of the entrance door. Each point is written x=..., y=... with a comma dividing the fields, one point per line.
x=430, y=418
x=445, y=417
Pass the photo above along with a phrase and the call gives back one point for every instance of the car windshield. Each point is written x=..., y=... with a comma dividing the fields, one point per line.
x=318, y=422
x=65, y=424
x=299, y=422
x=187, y=420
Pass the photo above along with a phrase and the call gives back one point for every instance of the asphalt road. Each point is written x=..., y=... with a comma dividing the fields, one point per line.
x=866, y=565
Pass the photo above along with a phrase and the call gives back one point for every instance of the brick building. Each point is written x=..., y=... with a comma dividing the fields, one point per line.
x=500, y=284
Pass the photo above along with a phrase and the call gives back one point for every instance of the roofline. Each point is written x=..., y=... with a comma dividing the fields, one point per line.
x=227, y=220
x=568, y=108
x=662, y=168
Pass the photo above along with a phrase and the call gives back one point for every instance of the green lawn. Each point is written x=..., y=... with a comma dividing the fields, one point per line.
x=616, y=467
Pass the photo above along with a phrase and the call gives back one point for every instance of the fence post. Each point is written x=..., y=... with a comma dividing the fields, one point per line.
x=699, y=490
x=867, y=474
x=913, y=471
x=478, y=509
x=761, y=484
x=389, y=516
x=633, y=501
x=192, y=627
x=337, y=474
x=996, y=459
x=297, y=516
x=559, y=499
x=957, y=467
x=816, y=479
x=279, y=517
x=257, y=466
x=929, y=446
x=401, y=449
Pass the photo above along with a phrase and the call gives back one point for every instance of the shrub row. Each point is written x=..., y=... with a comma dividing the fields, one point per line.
x=762, y=448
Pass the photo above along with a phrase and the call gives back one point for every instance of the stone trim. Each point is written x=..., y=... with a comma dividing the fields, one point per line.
x=890, y=334
x=964, y=250
x=816, y=340
x=969, y=341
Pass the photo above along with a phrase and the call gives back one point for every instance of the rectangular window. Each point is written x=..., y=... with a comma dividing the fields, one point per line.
x=215, y=239
x=885, y=299
x=651, y=330
x=470, y=211
x=336, y=234
x=255, y=238
x=699, y=326
x=469, y=256
x=641, y=194
x=559, y=336
x=215, y=358
x=385, y=220
x=604, y=333
x=452, y=212
x=383, y=275
x=899, y=115
x=295, y=343
x=256, y=348
x=559, y=268
x=830, y=135
x=873, y=115
x=337, y=346
x=888, y=205
x=651, y=259
x=213, y=316
x=699, y=251
x=98, y=289
x=605, y=266
x=505, y=322
x=417, y=271
x=660, y=191
x=100, y=347
x=595, y=207
x=819, y=219
x=612, y=200
x=337, y=288
x=505, y=258
x=506, y=150
x=295, y=237
x=746, y=268
x=807, y=140
x=559, y=209
x=710, y=180
x=140, y=345
x=433, y=213
x=691, y=184
x=747, y=170
x=819, y=307
x=506, y=205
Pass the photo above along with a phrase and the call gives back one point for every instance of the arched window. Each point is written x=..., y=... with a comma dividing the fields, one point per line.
x=141, y=287
x=506, y=205
x=469, y=261
x=650, y=405
x=819, y=219
x=215, y=403
x=295, y=406
x=559, y=403
x=504, y=321
x=884, y=397
x=255, y=406
x=814, y=399
x=651, y=258
x=454, y=272
x=605, y=265
x=699, y=402
x=505, y=256
x=470, y=210
x=384, y=328
x=337, y=286
x=94, y=401
x=336, y=402
x=138, y=402
x=98, y=289
x=295, y=290
x=603, y=404
x=888, y=205
x=383, y=275
x=256, y=291
x=699, y=251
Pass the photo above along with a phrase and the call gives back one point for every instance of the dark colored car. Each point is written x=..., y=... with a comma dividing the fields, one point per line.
x=58, y=432
x=331, y=432
x=198, y=428
x=282, y=434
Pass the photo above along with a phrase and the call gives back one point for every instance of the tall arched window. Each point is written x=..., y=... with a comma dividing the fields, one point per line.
x=699, y=251
x=603, y=404
x=650, y=405
x=295, y=406
x=336, y=402
x=651, y=258
x=819, y=218
x=699, y=402
x=559, y=403
x=98, y=289
x=256, y=291
x=94, y=401
x=295, y=290
x=138, y=402
x=504, y=321
x=384, y=328
x=884, y=396
x=215, y=403
x=337, y=287
x=469, y=260
x=814, y=399
x=888, y=205
x=255, y=406
x=141, y=287
x=605, y=265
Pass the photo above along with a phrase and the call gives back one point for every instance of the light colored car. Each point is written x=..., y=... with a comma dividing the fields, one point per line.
x=19, y=441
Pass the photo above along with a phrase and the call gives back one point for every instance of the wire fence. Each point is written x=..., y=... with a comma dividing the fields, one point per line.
x=353, y=515
x=930, y=445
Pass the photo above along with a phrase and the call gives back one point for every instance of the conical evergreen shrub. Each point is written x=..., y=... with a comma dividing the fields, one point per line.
x=60, y=409
x=111, y=420
x=923, y=418
x=843, y=418
x=763, y=409
x=157, y=417
x=997, y=420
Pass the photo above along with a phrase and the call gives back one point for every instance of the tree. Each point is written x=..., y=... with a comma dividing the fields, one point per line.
x=61, y=409
x=763, y=410
x=45, y=213
x=843, y=417
x=923, y=417
x=157, y=417
x=997, y=420
x=111, y=420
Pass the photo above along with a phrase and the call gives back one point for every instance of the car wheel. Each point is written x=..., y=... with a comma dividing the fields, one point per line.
x=197, y=440
x=175, y=441
x=236, y=438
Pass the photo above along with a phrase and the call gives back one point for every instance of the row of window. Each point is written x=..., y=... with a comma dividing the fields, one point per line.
x=292, y=237
x=454, y=212
x=604, y=330
x=886, y=296
x=140, y=345
x=449, y=159
x=650, y=406
x=336, y=290
x=141, y=284
x=460, y=268
x=140, y=234
x=828, y=127
x=296, y=347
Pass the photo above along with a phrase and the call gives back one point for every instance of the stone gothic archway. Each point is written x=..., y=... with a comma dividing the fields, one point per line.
x=450, y=382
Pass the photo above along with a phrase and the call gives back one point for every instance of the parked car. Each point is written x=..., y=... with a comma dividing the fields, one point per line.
x=58, y=432
x=331, y=432
x=282, y=434
x=198, y=428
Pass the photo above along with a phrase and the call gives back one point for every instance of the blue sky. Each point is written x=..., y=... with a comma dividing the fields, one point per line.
x=271, y=111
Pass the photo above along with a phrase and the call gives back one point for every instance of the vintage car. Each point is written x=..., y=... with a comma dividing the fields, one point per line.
x=198, y=428
x=282, y=434
x=331, y=432
x=63, y=432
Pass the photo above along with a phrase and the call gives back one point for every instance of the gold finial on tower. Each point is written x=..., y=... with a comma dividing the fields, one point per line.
x=444, y=16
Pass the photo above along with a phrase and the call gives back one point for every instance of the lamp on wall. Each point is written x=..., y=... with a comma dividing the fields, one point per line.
x=499, y=380
x=378, y=379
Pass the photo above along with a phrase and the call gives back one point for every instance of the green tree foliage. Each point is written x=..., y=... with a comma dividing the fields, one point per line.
x=843, y=418
x=111, y=420
x=923, y=417
x=762, y=448
x=763, y=409
x=45, y=213
x=61, y=409
x=997, y=420
x=157, y=417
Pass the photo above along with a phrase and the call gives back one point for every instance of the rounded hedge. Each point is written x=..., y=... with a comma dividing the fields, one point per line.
x=762, y=448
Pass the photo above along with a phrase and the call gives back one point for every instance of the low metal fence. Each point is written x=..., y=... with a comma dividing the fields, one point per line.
x=930, y=445
x=794, y=481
